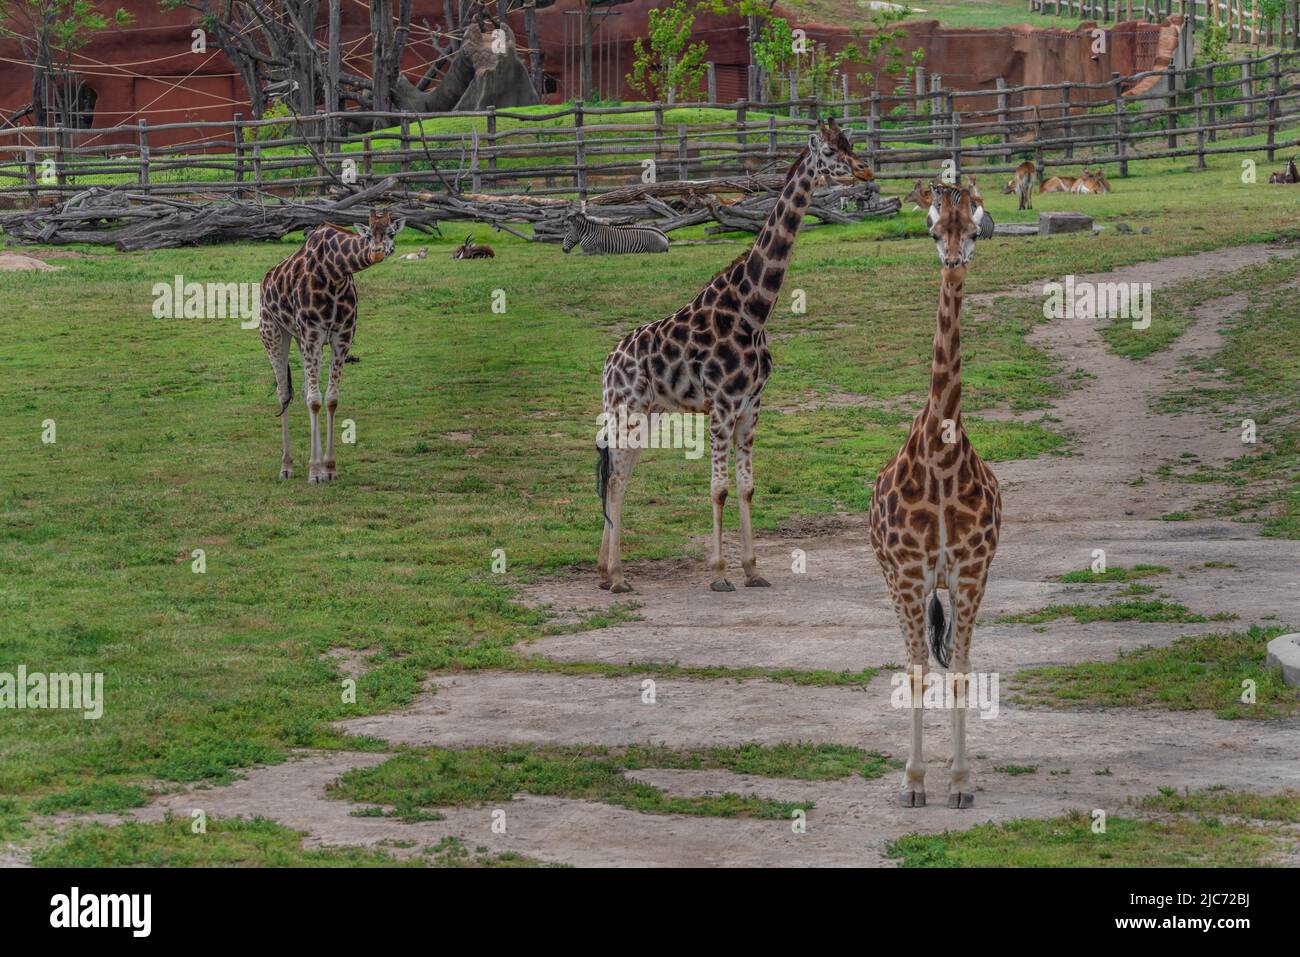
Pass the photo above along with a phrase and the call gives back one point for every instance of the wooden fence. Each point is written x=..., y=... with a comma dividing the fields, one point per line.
x=1242, y=18
x=1187, y=113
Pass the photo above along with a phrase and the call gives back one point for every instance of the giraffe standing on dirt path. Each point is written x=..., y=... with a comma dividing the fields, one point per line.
x=936, y=510
x=711, y=357
x=312, y=298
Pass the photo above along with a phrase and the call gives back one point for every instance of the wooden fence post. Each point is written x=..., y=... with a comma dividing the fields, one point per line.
x=873, y=132
x=1274, y=93
x=1068, y=125
x=368, y=161
x=936, y=104
x=492, y=143
x=32, y=189
x=771, y=137
x=1248, y=92
x=742, y=140
x=1200, y=131
x=580, y=151
x=405, y=163
x=659, y=127
x=257, y=168
x=238, y=129
x=1121, y=126
x=1209, y=84
x=144, y=155
x=1004, y=118
x=59, y=164
x=683, y=156
x=954, y=120
x=1172, y=104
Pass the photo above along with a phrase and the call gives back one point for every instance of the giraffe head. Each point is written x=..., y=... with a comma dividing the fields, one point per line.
x=955, y=220
x=831, y=155
x=380, y=232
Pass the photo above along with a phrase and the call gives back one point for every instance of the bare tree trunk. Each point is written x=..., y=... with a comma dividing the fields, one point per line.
x=334, y=65
x=587, y=85
x=534, y=47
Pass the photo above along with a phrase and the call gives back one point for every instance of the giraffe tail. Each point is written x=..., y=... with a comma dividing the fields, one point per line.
x=602, y=476
x=938, y=631
x=288, y=375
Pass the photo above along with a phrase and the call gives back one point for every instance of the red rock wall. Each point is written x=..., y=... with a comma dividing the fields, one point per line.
x=176, y=86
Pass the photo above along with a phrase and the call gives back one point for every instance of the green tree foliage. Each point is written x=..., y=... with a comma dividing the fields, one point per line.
x=671, y=61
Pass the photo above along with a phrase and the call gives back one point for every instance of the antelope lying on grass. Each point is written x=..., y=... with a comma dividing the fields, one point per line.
x=471, y=250
x=1288, y=175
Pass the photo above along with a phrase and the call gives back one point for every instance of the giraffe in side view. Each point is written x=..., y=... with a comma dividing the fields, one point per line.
x=312, y=299
x=711, y=357
x=936, y=509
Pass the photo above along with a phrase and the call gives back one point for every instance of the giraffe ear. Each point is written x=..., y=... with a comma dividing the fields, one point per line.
x=814, y=141
x=363, y=230
x=984, y=221
x=396, y=226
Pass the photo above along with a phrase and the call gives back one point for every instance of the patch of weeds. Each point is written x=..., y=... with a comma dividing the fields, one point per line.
x=1149, y=609
x=440, y=777
x=226, y=843
x=1069, y=841
x=794, y=676
x=101, y=797
x=1203, y=672
x=1015, y=770
x=1113, y=574
x=1260, y=807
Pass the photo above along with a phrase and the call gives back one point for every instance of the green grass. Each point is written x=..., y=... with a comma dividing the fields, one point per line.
x=1242, y=804
x=475, y=431
x=1205, y=672
x=1138, y=609
x=1015, y=770
x=237, y=843
x=1113, y=574
x=1069, y=841
x=439, y=777
x=1261, y=383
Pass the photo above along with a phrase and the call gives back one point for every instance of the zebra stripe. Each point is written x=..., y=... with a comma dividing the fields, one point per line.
x=598, y=238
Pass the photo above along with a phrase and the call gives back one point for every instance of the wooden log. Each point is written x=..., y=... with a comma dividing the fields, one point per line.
x=1052, y=224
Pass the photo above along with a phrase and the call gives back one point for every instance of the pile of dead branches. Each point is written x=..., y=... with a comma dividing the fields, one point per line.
x=128, y=220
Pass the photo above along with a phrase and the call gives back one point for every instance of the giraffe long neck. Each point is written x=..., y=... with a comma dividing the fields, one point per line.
x=945, y=366
x=769, y=257
x=341, y=254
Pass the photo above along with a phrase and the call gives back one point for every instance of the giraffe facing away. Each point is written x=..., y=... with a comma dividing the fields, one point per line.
x=711, y=357
x=936, y=510
x=312, y=299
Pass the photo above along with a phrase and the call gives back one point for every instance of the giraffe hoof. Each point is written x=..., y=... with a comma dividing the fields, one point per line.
x=913, y=799
x=961, y=799
x=286, y=473
x=315, y=479
x=722, y=585
x=603, y=585
x=619, y=588
x=758, y=581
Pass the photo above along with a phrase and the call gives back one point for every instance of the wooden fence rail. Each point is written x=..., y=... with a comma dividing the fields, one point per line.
x=901, y=135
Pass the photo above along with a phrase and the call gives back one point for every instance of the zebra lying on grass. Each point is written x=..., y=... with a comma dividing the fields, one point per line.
x=593, y=237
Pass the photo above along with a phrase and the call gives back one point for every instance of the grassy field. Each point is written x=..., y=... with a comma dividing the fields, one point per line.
x=474, y=431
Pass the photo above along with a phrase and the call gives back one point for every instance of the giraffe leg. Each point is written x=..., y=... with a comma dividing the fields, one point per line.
x=276, y=341
x=910, y=606
x=311, y=356
x=965, y=605
x=621, y=465
x=338, y=356
x=721, y=429
x=745, y=428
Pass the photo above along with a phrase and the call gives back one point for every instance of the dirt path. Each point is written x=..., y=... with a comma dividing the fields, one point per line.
x=1057, y=510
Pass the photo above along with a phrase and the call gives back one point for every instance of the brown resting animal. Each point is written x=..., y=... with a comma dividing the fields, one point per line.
x=471, y=250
